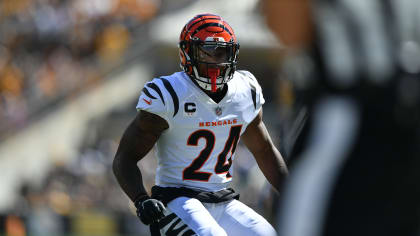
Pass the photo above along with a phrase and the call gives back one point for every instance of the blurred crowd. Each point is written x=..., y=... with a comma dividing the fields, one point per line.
x=82, y=198
x=50, y=49
x=78, y=198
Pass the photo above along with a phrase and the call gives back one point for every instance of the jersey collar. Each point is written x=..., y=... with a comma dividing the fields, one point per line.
x=204, y=97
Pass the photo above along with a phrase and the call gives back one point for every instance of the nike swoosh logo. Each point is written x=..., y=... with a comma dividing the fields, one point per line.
x=148, y=102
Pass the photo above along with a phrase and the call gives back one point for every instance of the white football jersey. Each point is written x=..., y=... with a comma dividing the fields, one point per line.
x=197, y=150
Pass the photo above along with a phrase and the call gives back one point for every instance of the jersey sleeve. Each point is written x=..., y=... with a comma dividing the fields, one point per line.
x=256, y=91
x=254, y=96
x=152, y=99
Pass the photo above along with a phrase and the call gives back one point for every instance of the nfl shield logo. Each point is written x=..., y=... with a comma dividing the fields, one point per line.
x=218, y=111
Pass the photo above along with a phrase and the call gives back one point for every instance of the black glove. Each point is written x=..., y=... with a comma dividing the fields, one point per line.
x=149, y=210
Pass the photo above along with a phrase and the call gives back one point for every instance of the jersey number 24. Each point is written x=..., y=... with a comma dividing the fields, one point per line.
x=192, y=172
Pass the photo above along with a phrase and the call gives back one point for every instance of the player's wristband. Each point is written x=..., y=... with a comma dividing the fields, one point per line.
x=140, y=199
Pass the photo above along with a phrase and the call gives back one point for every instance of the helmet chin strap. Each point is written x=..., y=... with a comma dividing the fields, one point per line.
x=213, y=74
x=209, y=84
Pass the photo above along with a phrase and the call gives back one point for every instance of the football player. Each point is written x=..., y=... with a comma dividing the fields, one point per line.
x=195, y=118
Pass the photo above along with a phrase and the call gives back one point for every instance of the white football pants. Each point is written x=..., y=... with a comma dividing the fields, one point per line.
x=231, y=218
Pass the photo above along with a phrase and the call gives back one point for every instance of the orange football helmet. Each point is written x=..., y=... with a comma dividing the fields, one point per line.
x=208, y=51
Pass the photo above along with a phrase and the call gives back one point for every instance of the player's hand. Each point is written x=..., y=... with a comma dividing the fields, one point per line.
x=149, y=210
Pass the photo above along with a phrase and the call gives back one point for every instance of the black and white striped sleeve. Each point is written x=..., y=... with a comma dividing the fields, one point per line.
x=255, y=90
x=153, y=99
